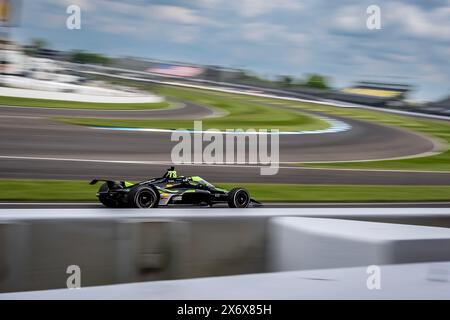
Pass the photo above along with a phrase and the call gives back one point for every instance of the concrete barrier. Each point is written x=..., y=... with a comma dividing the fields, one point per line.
x=403, y=281
x=118, y=246
x=34, y=255
x=305, y=243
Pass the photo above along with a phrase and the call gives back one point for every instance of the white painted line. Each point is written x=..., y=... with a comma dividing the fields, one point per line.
x=250, y=165
x=21, y=117
x=174, y=105
x=313, y=204
x=335, y=127
x=102, y=213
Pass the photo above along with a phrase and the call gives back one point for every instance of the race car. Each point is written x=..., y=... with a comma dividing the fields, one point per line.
x=170, y=189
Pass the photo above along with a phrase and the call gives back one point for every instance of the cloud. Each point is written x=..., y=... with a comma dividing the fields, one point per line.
x=148, y=22
x=418, y=22
x=209, y=4
x=398, y=18
x=175, y=14
x=351, y=18
x=268, y=33
x=254, y=8
x=85, y=5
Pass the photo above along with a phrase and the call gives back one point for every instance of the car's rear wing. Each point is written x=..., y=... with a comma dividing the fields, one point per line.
x=110, y=183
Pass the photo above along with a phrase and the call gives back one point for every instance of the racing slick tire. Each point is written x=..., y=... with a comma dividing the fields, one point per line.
x=145, y=197
x=105, y=200
x=238, y=198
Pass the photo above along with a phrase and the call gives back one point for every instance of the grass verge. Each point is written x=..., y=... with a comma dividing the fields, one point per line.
x=28, y=102
x=66, y=190
x=239, y=114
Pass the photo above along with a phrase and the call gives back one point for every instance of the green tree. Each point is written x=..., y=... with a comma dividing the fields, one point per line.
x=36, y=45
x=286, y=81
x=317, y=81
x=39, y=43
x=89, y=57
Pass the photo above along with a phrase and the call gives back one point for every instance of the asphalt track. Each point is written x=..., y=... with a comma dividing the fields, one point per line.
x=33, y=145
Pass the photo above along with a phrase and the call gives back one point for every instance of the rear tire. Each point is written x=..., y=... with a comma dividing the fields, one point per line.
x=105, y=200
x=238, y=198
x=145, y=197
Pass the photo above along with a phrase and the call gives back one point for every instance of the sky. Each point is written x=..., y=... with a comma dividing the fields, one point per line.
x=269, y=37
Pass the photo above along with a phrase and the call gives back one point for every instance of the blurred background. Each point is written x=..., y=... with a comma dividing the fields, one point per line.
x=308, y=48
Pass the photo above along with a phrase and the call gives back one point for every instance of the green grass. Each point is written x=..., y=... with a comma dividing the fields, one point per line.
x=438, y=162
x=347, y=193
x=47, y=190
x=28, y=102
x=65, y=190
x=239, y=114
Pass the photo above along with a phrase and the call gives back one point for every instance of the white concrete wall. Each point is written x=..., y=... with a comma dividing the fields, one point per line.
x=310, y=243
x=402, y=281
x=118, y=246
x=41, y=89
x=35, y=256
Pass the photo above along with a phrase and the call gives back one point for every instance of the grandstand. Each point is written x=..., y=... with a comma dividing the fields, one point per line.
x=381, y=90
x=373, y=92
x=365, y=93
x=159, y=68
x=439, y=107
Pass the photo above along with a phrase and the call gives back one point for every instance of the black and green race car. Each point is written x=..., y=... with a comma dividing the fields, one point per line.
x=170, y=190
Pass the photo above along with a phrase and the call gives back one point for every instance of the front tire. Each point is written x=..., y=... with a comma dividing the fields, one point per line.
x=145, y=197
x=238, y=198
